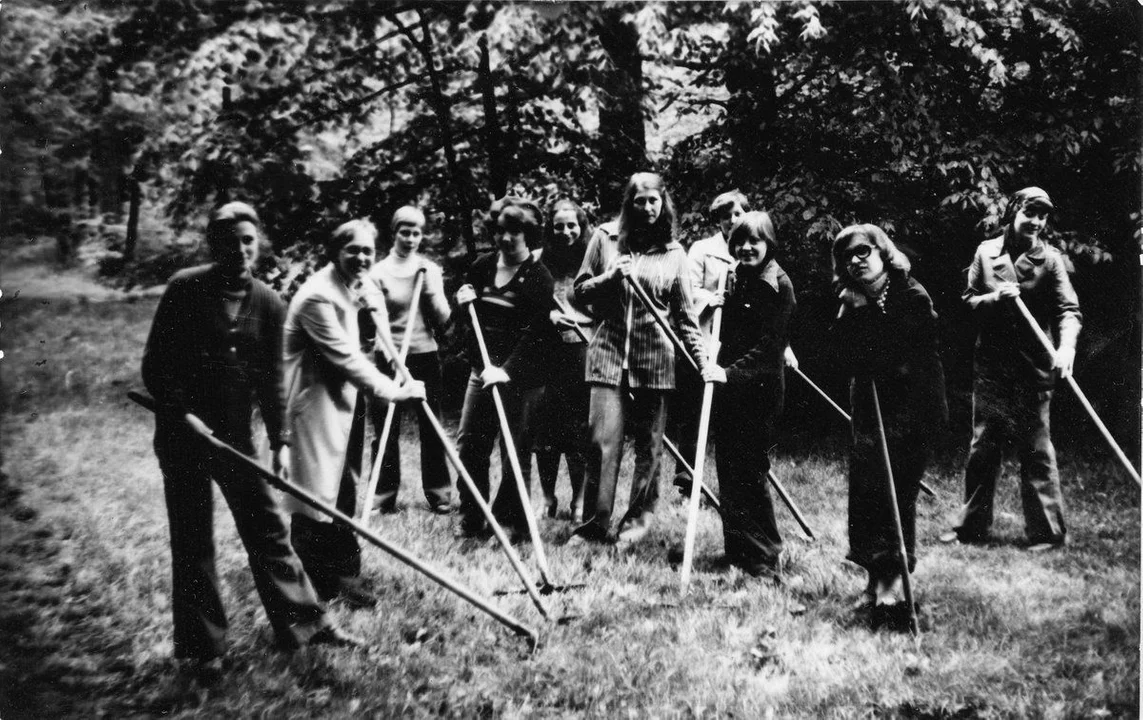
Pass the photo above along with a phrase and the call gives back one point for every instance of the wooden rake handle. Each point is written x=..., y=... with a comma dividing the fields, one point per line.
x=404, y=556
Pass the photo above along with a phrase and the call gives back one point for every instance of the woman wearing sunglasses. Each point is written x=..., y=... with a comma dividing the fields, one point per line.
x=885, y=333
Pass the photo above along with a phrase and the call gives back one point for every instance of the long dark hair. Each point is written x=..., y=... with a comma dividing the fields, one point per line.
x=565, y=259
x=662, y=232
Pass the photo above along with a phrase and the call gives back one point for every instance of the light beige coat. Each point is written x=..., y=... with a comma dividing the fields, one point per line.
x=324, y=368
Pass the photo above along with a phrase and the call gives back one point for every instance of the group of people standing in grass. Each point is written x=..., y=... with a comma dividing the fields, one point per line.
x=570, y=339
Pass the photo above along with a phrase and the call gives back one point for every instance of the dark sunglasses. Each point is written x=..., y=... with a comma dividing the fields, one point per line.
x=860, y=252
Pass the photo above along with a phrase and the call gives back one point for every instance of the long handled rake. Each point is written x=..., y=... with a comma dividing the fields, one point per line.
x=466, y=478
x=513, y=457
x=391, y=411
x=891, y=489
x=924, y=487
x=1079, y=393
x=223, y=449
x=700, y=444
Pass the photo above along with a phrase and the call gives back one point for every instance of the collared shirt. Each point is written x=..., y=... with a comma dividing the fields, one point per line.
x=628, y=338
x=1006, y=347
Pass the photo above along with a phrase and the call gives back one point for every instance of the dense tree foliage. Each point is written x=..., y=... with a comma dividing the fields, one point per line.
x=917, y=115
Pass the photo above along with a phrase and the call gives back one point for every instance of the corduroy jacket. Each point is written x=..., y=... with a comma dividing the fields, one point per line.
x=628, y=338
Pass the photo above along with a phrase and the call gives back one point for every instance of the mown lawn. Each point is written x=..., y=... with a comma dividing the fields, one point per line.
x=85, y=607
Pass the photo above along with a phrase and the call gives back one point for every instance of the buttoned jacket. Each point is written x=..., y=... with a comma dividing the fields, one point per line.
x=201, y=361
x=1006, y=347
x=325, y=367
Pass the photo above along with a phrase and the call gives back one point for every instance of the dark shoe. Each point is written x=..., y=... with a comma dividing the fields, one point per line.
x=683, y=483
x=208, y=671
x=868, y=597
x=336, y=637
x=551, y=507
x=354, y=592
x=519, y=536
x=384, y=508
x=763, y=570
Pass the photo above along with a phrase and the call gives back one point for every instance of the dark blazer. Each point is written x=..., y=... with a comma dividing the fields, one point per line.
x=199, y=360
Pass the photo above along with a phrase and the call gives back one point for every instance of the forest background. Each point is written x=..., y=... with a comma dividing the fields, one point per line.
x=124, y=121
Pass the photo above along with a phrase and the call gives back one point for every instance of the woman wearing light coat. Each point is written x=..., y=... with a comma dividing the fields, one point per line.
x=330, y=333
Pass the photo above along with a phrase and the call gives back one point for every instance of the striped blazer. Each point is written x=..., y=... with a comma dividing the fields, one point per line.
x=628, y=338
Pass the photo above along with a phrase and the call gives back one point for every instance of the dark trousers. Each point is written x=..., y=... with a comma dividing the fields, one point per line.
x=435, y=479
x=330, y=551
x=686, y=405
x=291, y=605
x=608, y=411
x=479, y=429
x=742, y=427
x=873, y=540
x=562, y=424
x=1004, y=414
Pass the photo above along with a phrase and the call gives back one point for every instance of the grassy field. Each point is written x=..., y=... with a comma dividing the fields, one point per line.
x=85, y=607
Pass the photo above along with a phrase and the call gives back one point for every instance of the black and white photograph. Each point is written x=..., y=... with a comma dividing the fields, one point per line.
x=561, y=359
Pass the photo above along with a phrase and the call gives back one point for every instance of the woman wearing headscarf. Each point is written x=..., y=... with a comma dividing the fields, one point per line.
x=630, y=354
x=214, y=349
x=330, y=336
x=885, y=333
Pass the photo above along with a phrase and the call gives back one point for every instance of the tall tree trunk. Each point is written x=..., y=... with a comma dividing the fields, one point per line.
x=622, y=135
x=493, y=135
x=135, y=191
x=751, y=110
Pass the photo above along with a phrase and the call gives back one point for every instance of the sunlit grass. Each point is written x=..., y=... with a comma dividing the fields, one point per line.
x=85, y=606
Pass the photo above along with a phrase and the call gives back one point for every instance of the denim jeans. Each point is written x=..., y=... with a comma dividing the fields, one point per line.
x=1004, y=414
x=608, y=409
x=479, y=428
